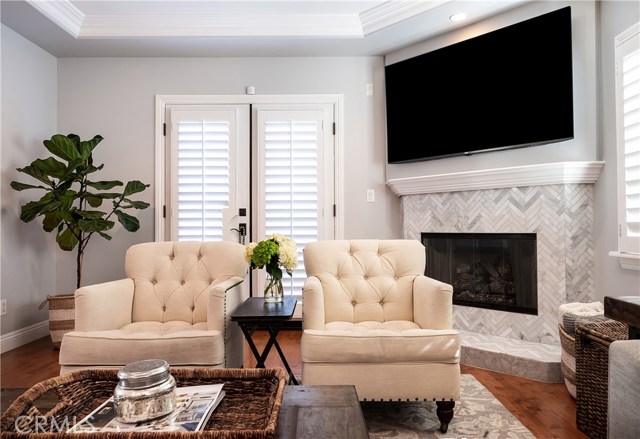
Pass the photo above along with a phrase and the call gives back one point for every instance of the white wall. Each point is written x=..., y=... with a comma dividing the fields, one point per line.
x=29, y=115
x=611, y=279
x=584, y=144
x=114, y=97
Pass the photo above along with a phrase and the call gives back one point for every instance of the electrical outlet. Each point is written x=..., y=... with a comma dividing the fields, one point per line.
x=371, y=196
x=3, y=307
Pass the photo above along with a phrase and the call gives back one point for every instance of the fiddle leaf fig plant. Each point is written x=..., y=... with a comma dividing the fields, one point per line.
x=73, y=204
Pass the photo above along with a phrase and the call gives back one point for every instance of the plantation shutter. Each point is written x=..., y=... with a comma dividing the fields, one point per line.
x=292, y=150
x=631, y=129
x=203, y=179
x=628, y=128
x=203, y=144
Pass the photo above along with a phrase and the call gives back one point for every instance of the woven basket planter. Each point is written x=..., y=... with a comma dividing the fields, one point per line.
x=568, y=360
x=592, y=374
x=61, y=316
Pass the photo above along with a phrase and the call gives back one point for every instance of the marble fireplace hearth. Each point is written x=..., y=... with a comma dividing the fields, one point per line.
x=554, y=201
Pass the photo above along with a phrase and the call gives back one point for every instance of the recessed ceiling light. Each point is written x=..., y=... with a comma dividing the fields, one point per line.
x=458, y=17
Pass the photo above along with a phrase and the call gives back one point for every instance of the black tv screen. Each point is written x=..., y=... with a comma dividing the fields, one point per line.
x=509, y=88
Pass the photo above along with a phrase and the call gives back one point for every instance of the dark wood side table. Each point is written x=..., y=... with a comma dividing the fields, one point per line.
x=255, y=313
x=327, y=412
x=625, y=309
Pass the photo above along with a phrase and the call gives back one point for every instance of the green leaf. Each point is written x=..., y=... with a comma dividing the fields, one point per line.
x=36, y=173
x=66, y=240
x=22, y=186
x=105, y=236
x=94, y=201
x=52, y=220
x=130, y=223
x=86, y=147
x=50, y=167
x=138, y=204
x=34, y=208
x=133, y=187
x=104, y=185
x=95, y=225
x=91, y=214
x=63, y=147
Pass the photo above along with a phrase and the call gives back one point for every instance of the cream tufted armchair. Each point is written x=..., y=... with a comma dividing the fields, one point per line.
x=175, y=304
x=372, y=319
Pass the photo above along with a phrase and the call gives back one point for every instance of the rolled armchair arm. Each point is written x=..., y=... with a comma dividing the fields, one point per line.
x=224, y=298
x=312, y=304
x=432, y=303
x=104, y=306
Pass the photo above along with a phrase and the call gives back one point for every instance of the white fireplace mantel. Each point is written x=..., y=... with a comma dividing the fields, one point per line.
x=517, y=176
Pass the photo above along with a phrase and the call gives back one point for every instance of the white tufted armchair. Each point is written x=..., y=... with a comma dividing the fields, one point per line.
x=372, y=319
x=175, y=304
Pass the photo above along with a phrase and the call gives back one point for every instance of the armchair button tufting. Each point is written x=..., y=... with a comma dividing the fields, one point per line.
x=182, y=282
x=353, y=303
x=164, y=308
x=193, y=308
x=154, y=281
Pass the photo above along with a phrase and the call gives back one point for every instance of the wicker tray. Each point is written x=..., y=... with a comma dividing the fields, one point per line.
x=249, y=409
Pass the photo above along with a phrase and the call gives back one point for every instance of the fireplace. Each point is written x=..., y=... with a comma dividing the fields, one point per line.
x=487, y=270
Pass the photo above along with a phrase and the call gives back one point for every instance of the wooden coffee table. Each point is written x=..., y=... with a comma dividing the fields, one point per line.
x=311, y=412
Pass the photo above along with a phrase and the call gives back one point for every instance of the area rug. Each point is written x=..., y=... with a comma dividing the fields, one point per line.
x=478, y=414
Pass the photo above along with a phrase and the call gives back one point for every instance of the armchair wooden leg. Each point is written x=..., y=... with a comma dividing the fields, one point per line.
x=444, y=411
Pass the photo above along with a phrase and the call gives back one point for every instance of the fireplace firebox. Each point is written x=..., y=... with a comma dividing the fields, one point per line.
x=487, y=270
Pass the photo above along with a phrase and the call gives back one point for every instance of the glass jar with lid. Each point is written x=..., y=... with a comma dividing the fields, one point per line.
x=146, y=390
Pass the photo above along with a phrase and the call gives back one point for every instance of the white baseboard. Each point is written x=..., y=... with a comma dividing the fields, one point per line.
x=23, y=336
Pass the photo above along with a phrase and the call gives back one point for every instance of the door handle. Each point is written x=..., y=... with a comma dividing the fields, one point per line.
x=242, y=232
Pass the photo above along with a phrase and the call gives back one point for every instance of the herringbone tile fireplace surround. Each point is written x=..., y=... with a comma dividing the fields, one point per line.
x=557, y=208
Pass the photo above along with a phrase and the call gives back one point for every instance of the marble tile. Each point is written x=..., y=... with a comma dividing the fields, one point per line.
x=561, y=215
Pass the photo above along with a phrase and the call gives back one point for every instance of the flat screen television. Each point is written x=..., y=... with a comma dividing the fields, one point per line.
x=509, y=88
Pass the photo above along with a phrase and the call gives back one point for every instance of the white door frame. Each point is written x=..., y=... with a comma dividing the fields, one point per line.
x=163, y=100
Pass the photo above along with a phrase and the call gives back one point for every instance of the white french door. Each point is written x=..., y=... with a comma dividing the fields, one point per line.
x=265, y=167
x=208, y=172
x=293, y=178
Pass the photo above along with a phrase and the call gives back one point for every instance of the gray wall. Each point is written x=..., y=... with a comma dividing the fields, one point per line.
x=115, y=97
x=582, y=147
x=29, y=115
x=611, y=279
x=594, y=26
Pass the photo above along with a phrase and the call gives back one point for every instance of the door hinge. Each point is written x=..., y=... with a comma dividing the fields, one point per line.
x=334, y=128
x=334, y=210
x=164, y=129
x=164, y=211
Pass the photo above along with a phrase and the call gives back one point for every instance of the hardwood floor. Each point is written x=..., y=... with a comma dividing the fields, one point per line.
x=546, y=409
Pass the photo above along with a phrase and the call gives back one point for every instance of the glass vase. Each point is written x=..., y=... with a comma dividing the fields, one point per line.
x=273, y=290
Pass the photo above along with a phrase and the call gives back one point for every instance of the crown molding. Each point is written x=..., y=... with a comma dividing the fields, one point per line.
x=63, y=13
x=221, y=25
x=390, y=13
x=517, y=176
